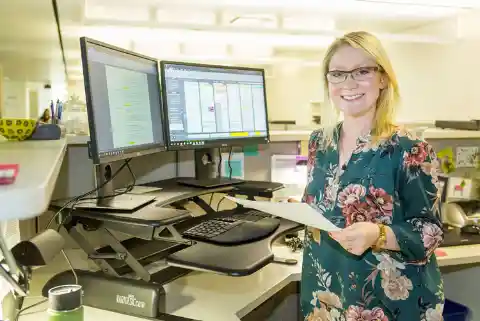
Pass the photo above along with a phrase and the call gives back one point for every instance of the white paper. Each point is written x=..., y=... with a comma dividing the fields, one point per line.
x=298, y=212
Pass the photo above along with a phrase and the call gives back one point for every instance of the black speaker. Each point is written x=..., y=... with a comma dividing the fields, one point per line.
x=40, y=250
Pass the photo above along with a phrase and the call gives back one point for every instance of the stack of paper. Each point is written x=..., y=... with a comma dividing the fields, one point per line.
x=297, y=212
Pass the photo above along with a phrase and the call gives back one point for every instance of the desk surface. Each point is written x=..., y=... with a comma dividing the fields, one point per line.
x=211, y=297
x=39, y=165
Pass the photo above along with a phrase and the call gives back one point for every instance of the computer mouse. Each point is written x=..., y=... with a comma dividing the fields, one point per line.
x=471, y=229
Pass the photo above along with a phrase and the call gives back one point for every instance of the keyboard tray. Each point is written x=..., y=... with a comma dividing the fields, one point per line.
x=240, y=260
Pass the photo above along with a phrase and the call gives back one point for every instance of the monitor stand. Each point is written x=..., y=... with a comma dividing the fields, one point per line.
x=107, y=200
x=206, y=171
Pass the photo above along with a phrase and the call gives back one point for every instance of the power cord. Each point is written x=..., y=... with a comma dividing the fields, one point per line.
x=128, y=189
x=43, y=301
x=229, y=163
x=73, y=202
x=82, y=197
x=219, y=168
x=28, y=308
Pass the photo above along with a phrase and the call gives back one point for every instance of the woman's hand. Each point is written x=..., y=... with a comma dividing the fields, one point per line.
x=358, y=237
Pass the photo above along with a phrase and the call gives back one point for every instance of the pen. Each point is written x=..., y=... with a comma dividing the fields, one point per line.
x=52, y=111
x=59, y=110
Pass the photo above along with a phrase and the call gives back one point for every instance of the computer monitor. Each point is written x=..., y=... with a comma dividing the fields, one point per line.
x=124, y=110
x=211, y=106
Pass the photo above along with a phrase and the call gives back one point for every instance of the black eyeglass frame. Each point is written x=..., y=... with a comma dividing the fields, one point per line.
x=351, y=73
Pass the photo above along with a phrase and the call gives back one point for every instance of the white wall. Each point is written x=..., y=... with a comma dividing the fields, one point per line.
x=437, y=81
x=426, y=77
x=290, y=91
x=14, y=97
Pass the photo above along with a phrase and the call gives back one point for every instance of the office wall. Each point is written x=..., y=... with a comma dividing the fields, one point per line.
x=14, y=97
x=432, y=82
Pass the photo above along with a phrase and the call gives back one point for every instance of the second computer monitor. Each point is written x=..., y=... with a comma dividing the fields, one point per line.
x=213, y=106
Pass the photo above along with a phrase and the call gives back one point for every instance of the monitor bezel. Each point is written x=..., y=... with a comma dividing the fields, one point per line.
x=128, y=152
x=241, y=141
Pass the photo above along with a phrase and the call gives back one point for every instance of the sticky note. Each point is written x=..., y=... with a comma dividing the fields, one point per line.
x=237, y=168
x=250, y=150
x=304, y=148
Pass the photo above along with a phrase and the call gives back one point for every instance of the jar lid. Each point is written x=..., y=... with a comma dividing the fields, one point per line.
x=65, y=297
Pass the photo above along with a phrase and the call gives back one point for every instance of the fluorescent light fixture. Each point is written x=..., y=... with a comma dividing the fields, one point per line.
x=264, y=21
x=466, y=4
x=186, y=16
x=201, y=38
x=116, y=12
x=308, y=22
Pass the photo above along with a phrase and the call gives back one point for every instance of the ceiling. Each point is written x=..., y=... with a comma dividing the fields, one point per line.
x=224, y=31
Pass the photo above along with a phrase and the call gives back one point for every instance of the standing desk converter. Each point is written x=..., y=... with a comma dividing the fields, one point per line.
x=156, y=236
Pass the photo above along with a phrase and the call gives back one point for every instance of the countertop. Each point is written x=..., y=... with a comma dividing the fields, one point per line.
x=211, y=297
x=39, y=164
x=304, y=134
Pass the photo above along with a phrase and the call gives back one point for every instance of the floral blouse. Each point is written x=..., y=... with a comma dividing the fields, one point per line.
x=392, y=181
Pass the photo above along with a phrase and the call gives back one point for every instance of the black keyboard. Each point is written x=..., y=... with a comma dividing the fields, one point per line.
x=234, y=229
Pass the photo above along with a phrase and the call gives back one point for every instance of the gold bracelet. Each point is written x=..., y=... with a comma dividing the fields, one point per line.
x=382, y=238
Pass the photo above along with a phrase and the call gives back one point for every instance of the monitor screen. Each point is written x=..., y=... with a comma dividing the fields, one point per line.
x=213, y=106
x=123, y=102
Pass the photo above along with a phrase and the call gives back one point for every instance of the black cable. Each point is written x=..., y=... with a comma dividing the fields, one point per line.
x=128, y=189
x=76, y=199
x=229, y=163
x=220, y=202
x=29, y=307
x=211, y=199
x=219, y=169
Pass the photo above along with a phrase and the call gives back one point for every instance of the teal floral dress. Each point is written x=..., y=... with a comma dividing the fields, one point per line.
x=392, y=181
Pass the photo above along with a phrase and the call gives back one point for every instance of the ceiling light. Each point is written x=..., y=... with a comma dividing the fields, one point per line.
x=308, y=22
x=116, y=12
x=254, y=21
x=465, y=4
x=200, y=38
x=186, y=16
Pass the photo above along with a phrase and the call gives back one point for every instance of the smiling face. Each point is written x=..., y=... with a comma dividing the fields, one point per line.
x=354, y=81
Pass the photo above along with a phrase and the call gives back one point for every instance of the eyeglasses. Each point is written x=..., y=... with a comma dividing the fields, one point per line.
x=359, y=74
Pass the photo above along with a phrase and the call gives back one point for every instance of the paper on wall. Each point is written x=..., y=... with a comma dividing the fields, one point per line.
x=237, y=163
x=466, y=156
x=298, y=212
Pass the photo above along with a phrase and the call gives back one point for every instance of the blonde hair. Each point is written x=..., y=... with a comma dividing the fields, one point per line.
x=383, y=126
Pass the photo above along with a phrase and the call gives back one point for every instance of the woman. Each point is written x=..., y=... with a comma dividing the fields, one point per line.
x=378, y=185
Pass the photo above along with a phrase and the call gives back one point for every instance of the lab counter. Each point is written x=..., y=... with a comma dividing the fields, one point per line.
x=211, y=297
